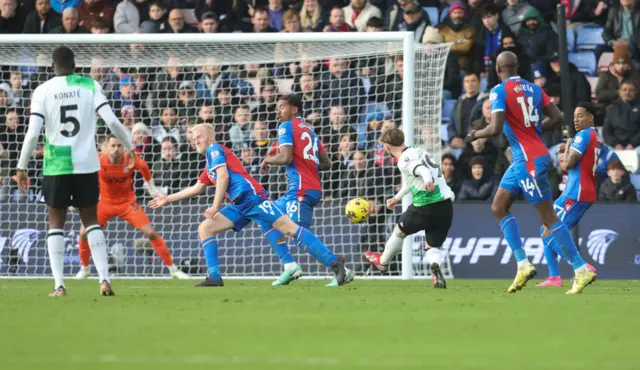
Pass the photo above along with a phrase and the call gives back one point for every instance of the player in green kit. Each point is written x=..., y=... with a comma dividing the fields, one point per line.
x=431, y=211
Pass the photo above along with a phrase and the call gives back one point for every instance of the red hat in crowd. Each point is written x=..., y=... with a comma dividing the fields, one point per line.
x=458, y=5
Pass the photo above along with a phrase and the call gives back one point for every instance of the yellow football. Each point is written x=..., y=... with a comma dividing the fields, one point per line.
x=357, y=210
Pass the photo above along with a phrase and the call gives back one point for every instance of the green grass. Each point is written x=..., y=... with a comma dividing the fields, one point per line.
x=162, y=324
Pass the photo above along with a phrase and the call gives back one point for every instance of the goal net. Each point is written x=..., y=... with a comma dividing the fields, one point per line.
x=353, y=86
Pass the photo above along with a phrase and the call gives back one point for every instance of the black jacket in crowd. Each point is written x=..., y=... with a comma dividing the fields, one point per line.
x=613, y=26
x=478, y=190
x=32, y=23
x=622, y=124
x=624, y=191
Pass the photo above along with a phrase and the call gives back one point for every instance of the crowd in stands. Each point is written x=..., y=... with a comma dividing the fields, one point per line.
x=161, y=105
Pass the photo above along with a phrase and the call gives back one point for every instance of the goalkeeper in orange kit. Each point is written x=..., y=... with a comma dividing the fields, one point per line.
x=117, y=199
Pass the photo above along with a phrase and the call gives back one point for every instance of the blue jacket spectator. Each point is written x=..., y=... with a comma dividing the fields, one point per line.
x=206, y=86
x=60, y=5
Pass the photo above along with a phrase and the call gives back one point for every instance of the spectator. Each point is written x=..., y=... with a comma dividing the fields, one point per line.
x=187, y=103
x=451, y=84
x=177, y=24
x=539, y=79
x=101, y=74
x=69, y=23
x=210, y=23
x=540, y=41
x=480, y=186
x=213, y=77
x=341, y=163
x=374, y=124
x=609, y=81
x=223, y=104
x=312, y=103
x=167, y=126
x=622, y=121
x=467, y=109
x=19, y=97
x=337, y=127
x=250, y=159
x=451, y=176
x=474, y=17
x=195, y=162
x=553, y=137
x=337, y=22
x=414, y=20
x=143, y=143
x=489, y=39
x=157, y=21
x=380, y=158
x=454, y=29
x=10, y=20
x=43, y=72
x=99, y=28
x=291, y=21
x=42, y=19
x=95, y=10
x=617, y=187
x=623, y=21
x=241, y=129
x=513, y=14
x=491, y=157
x=129, y=15
x=343, y=87
x=11, y=139
x=524, y=62
x=169, y=79
x=260, y=136
x=585, y=11
x=276, y=12
x=222, y=9
x=167, y=172
x=358, y=12
x=267, y=104
x=312, y=17
x=259, y=22
x=579, y=87
x=498, y=141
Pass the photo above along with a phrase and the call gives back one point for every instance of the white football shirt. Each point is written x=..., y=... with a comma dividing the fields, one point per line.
x=410, y=160
x=68, y=106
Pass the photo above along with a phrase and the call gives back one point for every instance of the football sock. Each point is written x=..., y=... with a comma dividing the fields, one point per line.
x=55, y=245
x=210, y=248
x=161, y=249
x=314, y=246
x=565, y=246
x=98, y=246
x=84, y=252
x=511, y=232
x=433, y=255
x=281, y=249
x=551, y=256
x=392, y=248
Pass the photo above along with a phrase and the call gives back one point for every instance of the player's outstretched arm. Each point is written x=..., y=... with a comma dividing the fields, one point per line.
x=553, y=117
x=185, y=193
x=36, y=121
x=116, y=127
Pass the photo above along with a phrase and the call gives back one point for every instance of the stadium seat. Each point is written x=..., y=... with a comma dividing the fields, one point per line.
x=605, y=61
x=571, y=40
x=432, y=12
x=629, y=159
x=483, y=83
x=588, y=37
x=444, y=133
x=585, y=61
x=444, y=14
x=447, y=106
x=593, y=81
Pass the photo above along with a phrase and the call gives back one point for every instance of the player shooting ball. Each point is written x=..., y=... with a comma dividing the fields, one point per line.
x=118, y=199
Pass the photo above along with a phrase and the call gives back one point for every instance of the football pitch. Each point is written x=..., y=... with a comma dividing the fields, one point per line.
x=369, y=324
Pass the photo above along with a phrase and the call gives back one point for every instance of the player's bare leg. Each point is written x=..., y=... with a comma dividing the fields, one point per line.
x=98, y=246
x=563, y=241
x=315, y=247
x=160, y=247
x=208, y=231
x=391, y=249
x=55, y=246
x=501, y=209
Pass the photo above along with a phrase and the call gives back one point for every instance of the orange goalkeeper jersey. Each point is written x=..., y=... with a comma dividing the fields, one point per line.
x=116, y=180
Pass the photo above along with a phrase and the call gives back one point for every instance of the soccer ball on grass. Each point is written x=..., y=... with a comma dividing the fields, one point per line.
x=357, y=210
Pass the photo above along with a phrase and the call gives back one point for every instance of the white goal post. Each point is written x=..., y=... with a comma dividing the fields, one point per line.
x=353, y=86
